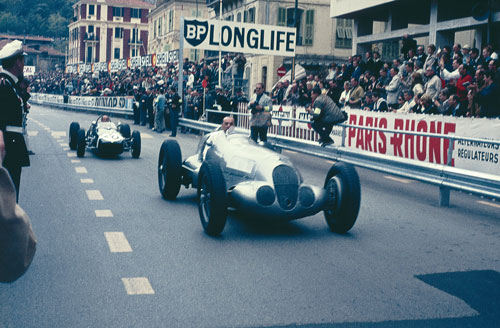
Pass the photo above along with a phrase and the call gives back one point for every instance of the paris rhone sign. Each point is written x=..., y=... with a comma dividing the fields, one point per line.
x=239, y=37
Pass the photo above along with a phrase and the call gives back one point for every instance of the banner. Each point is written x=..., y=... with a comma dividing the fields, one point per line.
x=282, y=112
x=29, y=70
x=239, y=37
x=474, y=156
x=164, y=58
x=116, y=103
x=41, y=97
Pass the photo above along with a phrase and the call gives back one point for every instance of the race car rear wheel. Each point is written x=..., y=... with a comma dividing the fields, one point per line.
x=73, y=135
x=344, y=197
x=136, y=144
x=212, y=200
x=124, y=129
x=169, y=169
x=81, y=143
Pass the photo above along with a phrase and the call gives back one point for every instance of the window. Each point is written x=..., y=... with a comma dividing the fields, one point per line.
x=117, y=53
x=154, y=29
x=134, y=53
x=90, y=29
x=117, y=12
x=238, y=17
x=290, y=13
x=281, y=16
x=170, y=20
x=135, y=35
x=344, y=33
x=160, y=21
x=194, y=55
x=309, y=28
x=251, y=15
x=136, y=13
x=89, y=54
x=91, y=10
x=118, y=32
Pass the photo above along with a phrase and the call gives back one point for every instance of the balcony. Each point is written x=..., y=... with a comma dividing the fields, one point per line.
x=90, y=38
x=134, y=42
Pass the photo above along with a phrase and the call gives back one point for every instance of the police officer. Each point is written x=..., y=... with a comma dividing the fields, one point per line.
x=12, y=143
x=175, y=103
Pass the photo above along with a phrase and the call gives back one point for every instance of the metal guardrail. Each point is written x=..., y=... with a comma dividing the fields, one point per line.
x=444, y=176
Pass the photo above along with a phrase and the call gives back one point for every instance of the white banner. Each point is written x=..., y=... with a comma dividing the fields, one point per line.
x=239, y=37
x=29, y=70
x=41, y=97
x=477, y=157
x=282, y=112
x=117, y=103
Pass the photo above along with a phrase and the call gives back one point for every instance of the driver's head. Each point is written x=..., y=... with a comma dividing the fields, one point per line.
x=105, y=118
x=227, y=123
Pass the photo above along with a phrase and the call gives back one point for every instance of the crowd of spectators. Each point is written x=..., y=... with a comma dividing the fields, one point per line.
x=456, y=81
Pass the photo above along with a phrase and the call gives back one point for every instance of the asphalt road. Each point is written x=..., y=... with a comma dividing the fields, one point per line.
x=132, y=259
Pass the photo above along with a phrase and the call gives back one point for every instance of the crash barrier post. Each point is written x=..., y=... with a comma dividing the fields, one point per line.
x=445, y=176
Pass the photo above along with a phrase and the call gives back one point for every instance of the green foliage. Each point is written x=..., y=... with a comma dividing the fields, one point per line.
x=32, y=17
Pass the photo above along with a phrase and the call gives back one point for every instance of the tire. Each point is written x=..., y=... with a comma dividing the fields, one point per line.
x=136, y=144
x=344, y=197
x=169, y=169
x=125, y=130
x=81, y=143
x=212, y=200
x=73, y=135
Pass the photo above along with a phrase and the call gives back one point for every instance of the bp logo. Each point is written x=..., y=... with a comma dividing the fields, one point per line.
x=195, y=32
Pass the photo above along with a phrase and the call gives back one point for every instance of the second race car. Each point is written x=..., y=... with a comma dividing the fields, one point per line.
x=232, y=171
x=105, y=137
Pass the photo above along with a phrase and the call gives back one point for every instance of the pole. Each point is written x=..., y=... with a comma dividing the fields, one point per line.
x=180, y=86
x=295, y=13
x=220, y=40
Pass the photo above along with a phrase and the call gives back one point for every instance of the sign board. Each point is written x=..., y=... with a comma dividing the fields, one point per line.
x=281, y=71
x=29, y=70
x=239, y=37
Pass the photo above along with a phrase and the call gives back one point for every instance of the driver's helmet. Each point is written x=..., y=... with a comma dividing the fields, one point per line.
x=105, y=118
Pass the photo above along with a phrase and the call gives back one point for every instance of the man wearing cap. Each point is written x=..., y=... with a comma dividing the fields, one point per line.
x=325, y=114
x=12, y=143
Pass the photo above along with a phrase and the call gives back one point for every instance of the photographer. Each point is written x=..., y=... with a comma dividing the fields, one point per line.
x=260, y=105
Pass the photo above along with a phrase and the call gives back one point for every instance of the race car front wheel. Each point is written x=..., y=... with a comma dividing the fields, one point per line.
x=73, y=135
x=344, y=197
x=136, y=144
x=169, y=169
x=124, y=129
x=81, y=143
x=212, y=201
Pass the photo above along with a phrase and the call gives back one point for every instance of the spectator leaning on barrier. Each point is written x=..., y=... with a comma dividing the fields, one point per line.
x=260, y=106
x=325, y=114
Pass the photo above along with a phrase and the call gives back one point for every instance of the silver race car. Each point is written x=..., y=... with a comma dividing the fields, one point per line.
x=234, y=172
x=105, y=137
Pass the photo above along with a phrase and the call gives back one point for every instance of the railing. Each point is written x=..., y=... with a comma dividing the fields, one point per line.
x=446, y=177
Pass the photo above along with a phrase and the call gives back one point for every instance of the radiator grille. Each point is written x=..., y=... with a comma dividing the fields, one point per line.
x=286, y=184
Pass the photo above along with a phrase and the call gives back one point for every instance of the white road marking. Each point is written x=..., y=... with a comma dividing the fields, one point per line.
x=71, y=154
x=103, y=213
x=398, y=179
x=94, y=195
x=86, y=181
x=117, y=242
x=81, y=169
x=66, y=148
x=76, y=161
x=58, y=134
x=146, y=136
x=488, y=203
x=137, y=286
x=32, y=133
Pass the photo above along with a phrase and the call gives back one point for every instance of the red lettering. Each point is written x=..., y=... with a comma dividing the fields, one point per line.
x=359, y=135
x=375, y=133
x=435, y=144
x=352, y=131
x=397, y=138
x=421, y=141
x=368, y=134
x=410, y=139
x=382, y=146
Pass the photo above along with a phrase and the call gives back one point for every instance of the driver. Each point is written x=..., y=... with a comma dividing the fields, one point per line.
x=225, y=129
x=105, y=118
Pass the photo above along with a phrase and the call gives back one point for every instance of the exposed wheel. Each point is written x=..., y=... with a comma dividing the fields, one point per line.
x=81, y=143
x=73, y=135
x=169, y=169
x=344, y=197
x=212, y=200
x=124, y=129
x=136, y=144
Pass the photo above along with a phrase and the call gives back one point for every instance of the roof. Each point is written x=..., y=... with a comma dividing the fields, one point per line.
x=25, y=37
x=121, y=3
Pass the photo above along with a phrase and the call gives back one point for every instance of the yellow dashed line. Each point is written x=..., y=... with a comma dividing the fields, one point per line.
x=488, y=203
x=81, y=170
x=94, y=195
x=117, y=242
x=398, y=179
x=137, y=286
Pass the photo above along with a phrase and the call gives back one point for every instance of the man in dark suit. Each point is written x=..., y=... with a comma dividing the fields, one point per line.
x=12, y=143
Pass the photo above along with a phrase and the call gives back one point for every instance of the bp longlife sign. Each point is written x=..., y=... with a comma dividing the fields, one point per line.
x=239, y=37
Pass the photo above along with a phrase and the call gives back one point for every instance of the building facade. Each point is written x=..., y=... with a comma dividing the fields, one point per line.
x=164, y=26
x=381, y=24
x=318, y=43
x=105, y=30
